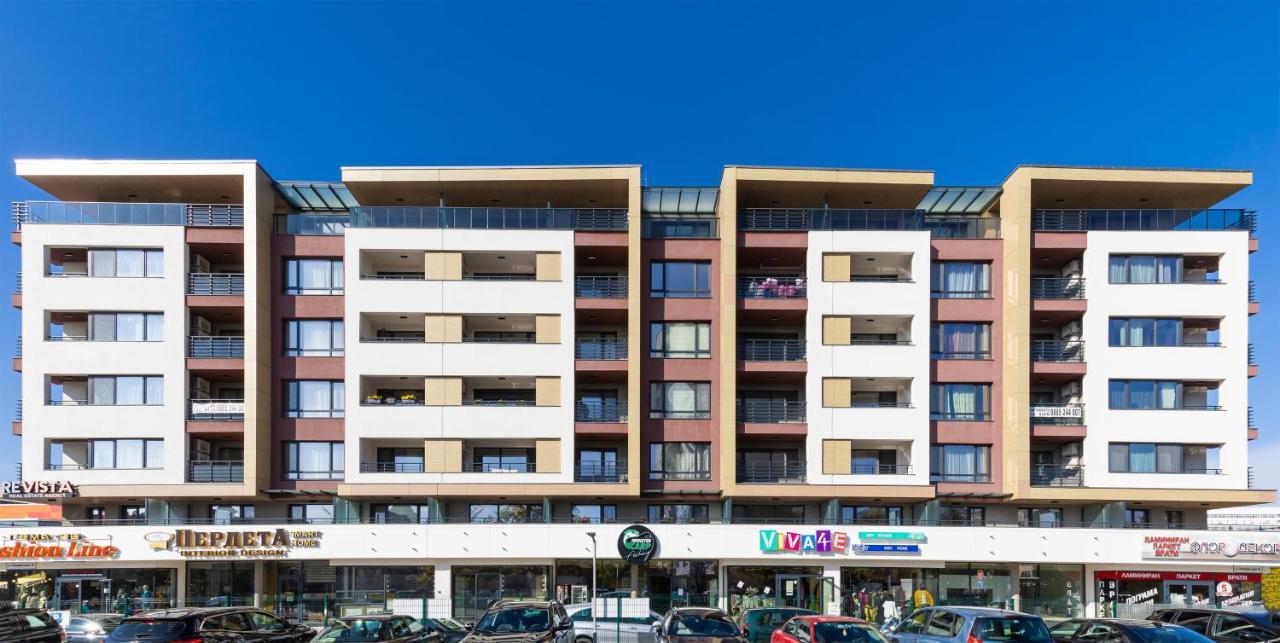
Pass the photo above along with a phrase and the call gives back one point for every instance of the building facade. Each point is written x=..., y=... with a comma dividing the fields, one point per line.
x=433, y=387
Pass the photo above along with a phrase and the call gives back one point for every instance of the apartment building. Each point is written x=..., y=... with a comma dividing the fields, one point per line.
x=429, y=387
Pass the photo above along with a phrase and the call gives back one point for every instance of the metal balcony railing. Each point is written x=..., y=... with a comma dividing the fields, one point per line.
x=772, y=350
x=312, y=224
x=480, y=218
x=600, y=220
x=1253, y=290
x=216, y=471
x=963, y=227
x=608, y=411
x=877, y=404
x=1253, y=357
x=880, y=469
x=1057, y=288
x=17, y=411
x=216, y=410
x=17, y=278
x=373, y=399
x=530, y=338
x=215, y=283
x=1057, y=414
x=102, y=213
x=487, y=402
x=1053, y=475
x=771, y=472
x=600, y=287
x=1066, y=350
x=499, y=467
x=960, y=416
x=18, y=348
x=763, y=287
x=1251, y=423
x=600, y=472
x=392, y=467
x=599, y=349
x=680, y=228
x=215, y=347
x=959, y=477
x=771, y=411
x=801, y=219
x=1143, y=219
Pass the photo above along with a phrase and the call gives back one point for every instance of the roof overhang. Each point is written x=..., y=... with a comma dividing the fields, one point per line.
x=124, y=181
x=774, y=187
x=509, y=187
x=1129, y=188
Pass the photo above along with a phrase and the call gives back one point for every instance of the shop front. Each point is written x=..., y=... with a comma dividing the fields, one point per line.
x=751, y=586
x=475, y=587
x=1135, y=594
x=666, y=583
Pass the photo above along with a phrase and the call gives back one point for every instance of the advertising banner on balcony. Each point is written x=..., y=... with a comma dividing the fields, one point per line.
x=1211, y=548
x=216, y=408
x=1060, y=411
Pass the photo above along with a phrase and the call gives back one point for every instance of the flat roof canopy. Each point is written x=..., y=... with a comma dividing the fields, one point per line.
x=813, y=188
x=216, y=182
x=1074, y=188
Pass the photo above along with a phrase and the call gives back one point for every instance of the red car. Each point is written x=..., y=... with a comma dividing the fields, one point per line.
x=826, y=629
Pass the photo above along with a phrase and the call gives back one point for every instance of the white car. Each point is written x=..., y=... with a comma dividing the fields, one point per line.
x=631, y=628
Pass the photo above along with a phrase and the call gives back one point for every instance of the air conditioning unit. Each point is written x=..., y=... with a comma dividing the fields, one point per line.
x=200, y=388
x=1071, y=330
x=200, y=264
x=200, y=450
x=1072, y=269
x=1070, y=392
x=201, y=326
x=1070, y=450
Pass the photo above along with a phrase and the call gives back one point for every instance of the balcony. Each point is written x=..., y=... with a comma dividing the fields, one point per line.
x=216, y=410
x=600, y=287
x=680, y=227
x=211, y=471
x=1057, y=288
x=771, y=411
x=1253, y=361
x=488, y=218
x=765, y=287
x=215, y=347
x=321, y=225
x=802, y=219
x=1053, y=475
x=392, y=467
x=100, y=213
x=1057, y=415
x=772, y=350
x=1143, y=220
x=963, y=227
x=606, y=412
x=600, y=471
x=880, y=469
x=215, y=283
x=599, y=349
x=1057, y=351
x=771, y=472
x=963, y=478
x=499, y=467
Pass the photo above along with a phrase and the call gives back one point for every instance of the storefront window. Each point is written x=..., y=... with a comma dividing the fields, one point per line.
x=1051, y=591
x=474, y=588
x=376, y=584
x=1135, y=594
x=302, y=589
x=976, y=585
x=751, y=587
x=675, y=583
x=219, y=584
x=573, y=579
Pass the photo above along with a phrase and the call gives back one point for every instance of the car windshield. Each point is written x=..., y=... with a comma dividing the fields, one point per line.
x=130, y=630
x=353, y=630
x=703, y=625
x=1168, y=634
x=1010, y=628
x=845, y=632
x=515, y=620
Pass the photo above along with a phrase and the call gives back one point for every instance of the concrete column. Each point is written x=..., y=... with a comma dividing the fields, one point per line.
x=259, y=578
x=831, y=578
x=180, y=584
x=444, y=586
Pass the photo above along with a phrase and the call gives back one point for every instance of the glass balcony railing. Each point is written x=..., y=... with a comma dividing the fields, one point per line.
x=963, y=227
x=312, y=224
x=801, y=219
x=680, y=228
x=1143, y=219
x=486, y=218
x=102, y=213
x=595, y=471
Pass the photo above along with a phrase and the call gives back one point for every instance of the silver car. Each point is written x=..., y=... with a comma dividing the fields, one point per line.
x=611, y=628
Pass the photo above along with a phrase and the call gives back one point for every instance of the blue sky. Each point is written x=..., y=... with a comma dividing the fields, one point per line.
x=966, y=89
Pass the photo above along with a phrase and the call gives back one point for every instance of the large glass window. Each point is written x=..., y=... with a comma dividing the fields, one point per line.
x=960, y=402
x=126, y=454
x=954, y=340
x=313, y=460
x=126, y=390
x=870, y=515
x=1135, y=457
x=680, y=339
x=680, y=279
x=121, y=262
x=969, y=516
x=1145, y=331
x=594, y=514
x=770, y=513
x=680, y=461
x=1145, y=269
x=311, y=514
x=400, y=513
x=503, y=460
x=672, y=513
x=1040, y=517
x=399, y=460
x=961, y=280
x=231, y=514
x=680, y=400
x=313, y=277
x=959, y=463
x=318, y=337
x=315, y=399
x=1145, y=394
x=126, y=327
x=504, y=513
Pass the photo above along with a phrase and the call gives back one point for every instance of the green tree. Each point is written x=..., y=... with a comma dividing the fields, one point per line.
x=1271, y=589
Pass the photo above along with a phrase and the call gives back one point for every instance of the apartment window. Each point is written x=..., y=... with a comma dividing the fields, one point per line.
x=1137, y=518
x=126, y=390
x=960, y=341
x=503, y=460
x=313, y=337
x=136, y=514
x=95, y=514
x=313, y=277
x=959, y=463
x=679, y=514
x=1039, y=517
x=126, y=327
x=121, y=262
x=400, y=459
x=1175, y=520
x=680, y=279
x=1137, y=457
x=969, y=516
x=601, y=464
x=400, y=513
x=680, y=400
x=506, y=513
x=313, y=460
x=680, y=461
x=126, y=454
x=1145, y=269
x=762, y=514
x=961, y=280
x=680, y=339
x=1145, y=394
x=874, y=461
x=311, y=514
x=960, y=402
x=1145, y=331
x=315, y=399
x=594, y=514
x=231, y=514
x=870, y=515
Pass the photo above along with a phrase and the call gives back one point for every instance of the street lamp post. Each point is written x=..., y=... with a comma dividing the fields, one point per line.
x=595, y=633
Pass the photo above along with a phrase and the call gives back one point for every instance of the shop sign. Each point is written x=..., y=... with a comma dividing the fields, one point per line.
x=37, y=489
x=54, y=547
x=191, y=543
x=1188, y=548
x=914, y=536
x=825, y=541
x=637, y=545
x=1183, y=576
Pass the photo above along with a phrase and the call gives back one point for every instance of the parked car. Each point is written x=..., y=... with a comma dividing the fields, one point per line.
x=701, y=624
x=967, y=624
x=1121, y=630
x=538, y=621
x=450, y=631
x=91, y=628
x=631, y=626
x=827, y=629
x=378, y=627
x=29, y=626
x=1224, y=626
x=222, y=624
x=758, y=623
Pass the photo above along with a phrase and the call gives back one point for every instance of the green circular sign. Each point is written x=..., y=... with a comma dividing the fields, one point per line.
x=637, y=544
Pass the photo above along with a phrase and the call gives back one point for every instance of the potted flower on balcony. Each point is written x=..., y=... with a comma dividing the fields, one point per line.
x=373, y=398
x=408, y=398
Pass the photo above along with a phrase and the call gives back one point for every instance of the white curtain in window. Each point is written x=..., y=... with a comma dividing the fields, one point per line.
x=155, y=390
x=129, y=327
x=129, y=454
x=1167, y=395
x=1142, y=458
x=102, y=390
x=130, y=263
x=313, y=396
x=1168, y=270
x=959, y=460
x=681, y=397
x=1116, y=273
x=155, y=263
x=313, y=273
x=682, y=338
x=130, y=390
x=313, y=459
x=961, y=400
x=155, y=328
x=960, y=277
x=314, y=335
x=155, y=454
x=1169, y=458
x=338, y=339
x=102, y=263
x=102, y=327
x=1142, y=269
x=104, y=454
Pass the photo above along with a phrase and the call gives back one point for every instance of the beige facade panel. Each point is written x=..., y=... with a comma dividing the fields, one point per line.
x=443, y=391
x=546, y=391
x=442, y=456
x=837, y=330
x=547, y=454
x=443, y=266
x=547, y=266
x=837, y=392
x=835, y=267
x=443, y=329
x=546, y=329
x=837, y=457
